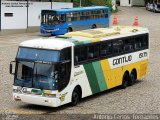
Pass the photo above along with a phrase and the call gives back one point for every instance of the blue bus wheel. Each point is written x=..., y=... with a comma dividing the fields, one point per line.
x=70, y=29
x=94, y=26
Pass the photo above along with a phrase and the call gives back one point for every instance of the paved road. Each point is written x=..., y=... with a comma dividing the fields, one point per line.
x=143, y=97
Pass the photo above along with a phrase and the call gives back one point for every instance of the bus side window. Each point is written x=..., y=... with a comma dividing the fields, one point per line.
x=106, y=49
x=106, y=13
x=93, y=52
x=138, y=42
x=102, y=14
x=62, y=18
x=80, y=54
x=128, y=45
x=117, y=46
x=91, y=15
x=69, y=15
x=145, y=41
x=83, y=15
x=66, y=54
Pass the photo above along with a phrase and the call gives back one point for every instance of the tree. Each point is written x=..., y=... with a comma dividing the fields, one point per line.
x=109, y=4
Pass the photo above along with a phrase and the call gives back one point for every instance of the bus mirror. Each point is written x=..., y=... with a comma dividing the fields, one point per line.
x=11, y=68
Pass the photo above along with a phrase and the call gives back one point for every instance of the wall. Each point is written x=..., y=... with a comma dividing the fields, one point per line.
x=19, y=10
x=133, y=3
x=125, y=2
x=138, y=3
x=19, y=18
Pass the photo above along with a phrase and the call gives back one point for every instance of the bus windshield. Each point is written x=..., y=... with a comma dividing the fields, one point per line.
x=42, y=69
x=37, y=75
x=38, y=54
x=52, y=18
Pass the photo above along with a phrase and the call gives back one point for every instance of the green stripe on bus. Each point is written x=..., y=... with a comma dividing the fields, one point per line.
x=86, y=42
x=99, y=75
x=92, y=78
x=78, y=43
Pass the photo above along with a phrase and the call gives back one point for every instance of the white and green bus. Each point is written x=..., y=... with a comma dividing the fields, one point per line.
x=58, y=70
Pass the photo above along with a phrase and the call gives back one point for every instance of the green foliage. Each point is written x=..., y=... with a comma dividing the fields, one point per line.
x=109, y=4
x=76, y=3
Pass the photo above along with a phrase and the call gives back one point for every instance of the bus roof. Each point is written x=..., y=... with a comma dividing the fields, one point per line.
x=51, y=43
x=101, y=34
x=66, y=10
x=106, y=32
x=84, y=37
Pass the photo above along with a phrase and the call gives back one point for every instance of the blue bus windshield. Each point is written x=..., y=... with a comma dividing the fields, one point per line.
x=51, y=18
x=38, y=54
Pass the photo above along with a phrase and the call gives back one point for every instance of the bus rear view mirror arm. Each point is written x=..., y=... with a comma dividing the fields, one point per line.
x=11, y=67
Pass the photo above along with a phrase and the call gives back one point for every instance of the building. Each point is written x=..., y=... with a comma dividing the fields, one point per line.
x=132, y=2
x=22, y=16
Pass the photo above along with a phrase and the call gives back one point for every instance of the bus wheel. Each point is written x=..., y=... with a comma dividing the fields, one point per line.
x=125, y=80
x=75, y=97
x=133, y=77
x=94, y=26
x=70, y=29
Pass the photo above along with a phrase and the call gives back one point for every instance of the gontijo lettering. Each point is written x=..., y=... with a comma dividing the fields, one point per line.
x=122, y=60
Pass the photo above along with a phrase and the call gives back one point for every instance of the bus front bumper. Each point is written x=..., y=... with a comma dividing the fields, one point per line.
x=37, y=100
x=55, y=31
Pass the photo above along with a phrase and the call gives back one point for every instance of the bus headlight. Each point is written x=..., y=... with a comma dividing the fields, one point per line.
x=17, y=98
x=49, y=95
x=15, y=90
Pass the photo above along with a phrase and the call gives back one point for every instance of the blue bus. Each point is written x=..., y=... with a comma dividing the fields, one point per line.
x=61, y=21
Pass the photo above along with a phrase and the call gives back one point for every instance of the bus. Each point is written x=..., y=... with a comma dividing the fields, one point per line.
x=61, y=21
x=58, y=70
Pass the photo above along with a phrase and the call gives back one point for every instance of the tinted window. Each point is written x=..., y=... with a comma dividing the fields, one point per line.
x=66, y=54
x=145, y=43
x=93, y=52
x=139, y=42
x=106, y=49
x=118, y=46
x=80, y=54
x=128, y=44
x=38, y=54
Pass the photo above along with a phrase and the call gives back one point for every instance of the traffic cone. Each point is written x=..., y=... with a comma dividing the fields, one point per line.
x=115, y=21
x=136, y=21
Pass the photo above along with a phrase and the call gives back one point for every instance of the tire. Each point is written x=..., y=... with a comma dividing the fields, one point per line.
x=94, y=26
x=125, y=80
x=70, y=29
x=75, y=97
x=132, y=77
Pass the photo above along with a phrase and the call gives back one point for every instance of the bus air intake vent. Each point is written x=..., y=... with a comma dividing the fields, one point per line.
x=63, y=36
